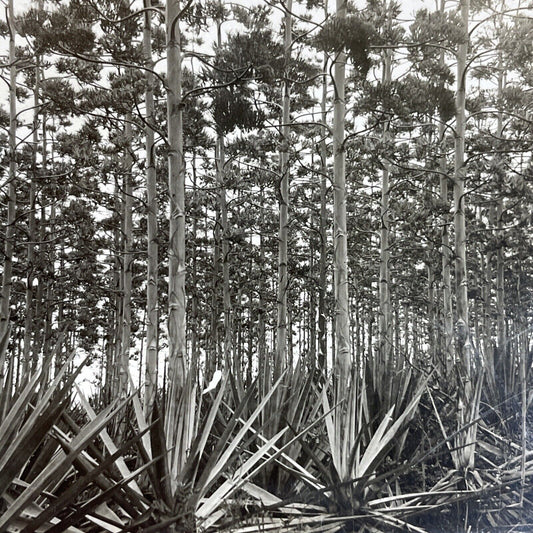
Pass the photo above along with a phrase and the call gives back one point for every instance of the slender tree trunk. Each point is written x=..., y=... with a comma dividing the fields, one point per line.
x=50, y=292
x=500, y=259
x=40, y=304
x=283, y=283
x=215, y=344
x=446, y=329
x=467, y=407
x=500, y=278
x=262, y=364
x=385, y=330
x=312, y=310
x=431, y=312
x=223, y=211
x=249, y=368
x=152, y=312
x=487, y=322
x=322, y=276
x=447, y=312
x=342, y=312
x=461, y=282
x=12, y=198
x=118, y=282
x=32, y=226
x=127, y=249
x=194, y=323
x=176, y=185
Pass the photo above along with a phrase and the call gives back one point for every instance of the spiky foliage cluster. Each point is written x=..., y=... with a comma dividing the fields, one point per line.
x=350, y=34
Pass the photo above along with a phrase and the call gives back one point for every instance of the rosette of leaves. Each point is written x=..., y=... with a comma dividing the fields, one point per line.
x=348, y=34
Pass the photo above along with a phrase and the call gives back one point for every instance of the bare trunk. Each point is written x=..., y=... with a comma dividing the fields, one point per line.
x=176, y=185
x=118, y=281
x=447, y=312
x=194, y=325
x=431, y=312
x=223, y=212
x=12, y=198
x=215, y=344
x=385, y=325
x=50, y=292
x=342, y=314
x=32, y=229
x=500, y=288
x=468, y=405
x=312, y=312
x=127, y=250
x=322, y=277
x=152, y=312
x=461, y=282
x=283, y=284
x=500, y=259
x=262, y=363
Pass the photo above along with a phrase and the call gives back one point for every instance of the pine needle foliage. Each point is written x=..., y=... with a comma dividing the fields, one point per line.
x=350, y=34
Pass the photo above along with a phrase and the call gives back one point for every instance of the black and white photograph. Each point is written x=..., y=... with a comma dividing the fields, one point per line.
x=266, y=266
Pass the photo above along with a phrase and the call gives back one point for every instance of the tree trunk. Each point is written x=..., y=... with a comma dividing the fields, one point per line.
x=447, y=312
x=461, y=283
x=384, y=370
x=127, y=261
x=467, y=408
x=431, y=337
x=262, y=364
x=342, y=313
x=176, y=186
x=283, y=283
x=223, y=212
x=32, y=227
x=50, y=291
x=194, y=323
x=500, y=278
x=214, y=362
x=152, y=327
x=322, y=276
x=500, y=259
x=118, y=281
x=12, y=198
x=312, y=310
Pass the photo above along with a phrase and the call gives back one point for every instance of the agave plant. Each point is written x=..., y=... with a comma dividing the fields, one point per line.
x=36, y=457
x=194, y=465
x=348, y=476
x=212, y=478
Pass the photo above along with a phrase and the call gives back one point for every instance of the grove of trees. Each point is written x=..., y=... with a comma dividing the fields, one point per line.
x=287, y=247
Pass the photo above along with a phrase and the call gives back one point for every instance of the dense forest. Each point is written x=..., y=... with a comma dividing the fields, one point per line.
x=267, y=266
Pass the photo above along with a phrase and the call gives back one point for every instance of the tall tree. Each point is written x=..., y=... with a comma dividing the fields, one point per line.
x=152, y=315
x=342, y=311
x=5, y=294
x=463, y=343
x=222, y=228
x=323, y=225
x=447, y=311
x=283, y=233
x=127, y=254
x=176, y=185
x=32, y=226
